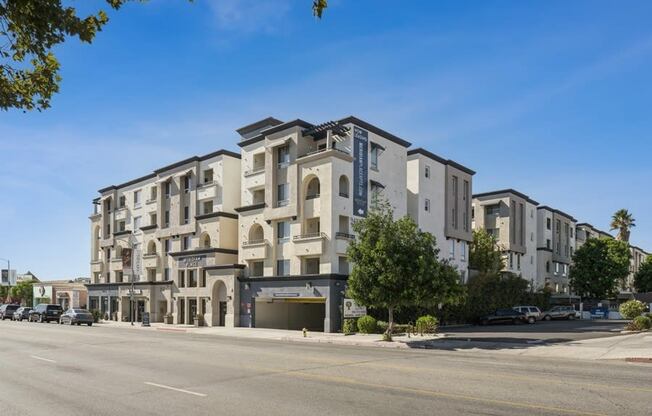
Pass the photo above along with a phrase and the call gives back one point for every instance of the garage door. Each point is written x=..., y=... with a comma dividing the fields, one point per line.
x=290, y=313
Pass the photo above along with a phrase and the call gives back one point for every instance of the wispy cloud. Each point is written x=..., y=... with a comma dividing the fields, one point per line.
x=250, y=16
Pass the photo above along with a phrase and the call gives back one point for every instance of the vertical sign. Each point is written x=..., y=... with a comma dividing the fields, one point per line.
x=126, y=259
x=360, y=171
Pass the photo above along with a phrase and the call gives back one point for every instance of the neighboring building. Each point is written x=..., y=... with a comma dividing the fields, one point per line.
x=27, y=277
x=584, y=231
x=555, y=249
x=510, y=216
x=638, y=256
x=302, y=185
x=67, y=293
x=439, y=200
x=181, y=223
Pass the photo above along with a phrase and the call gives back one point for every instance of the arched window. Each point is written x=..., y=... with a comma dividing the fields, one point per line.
x=312, y=191
x=344, y=186
x=256, y=233
x=205, y=241
x=151, y=247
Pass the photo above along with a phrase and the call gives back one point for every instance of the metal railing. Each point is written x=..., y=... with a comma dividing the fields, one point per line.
x=308, y=236
x=254, y=171
x=258, y=242
x=348, y=236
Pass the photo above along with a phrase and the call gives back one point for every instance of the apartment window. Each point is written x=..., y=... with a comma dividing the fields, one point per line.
x=463, y=250
x=547, y=267
x=283, y=267
x=373, y=159
x=548, y=243
x=521, y=209
x=192, y=278
x=465, y=199
x=152, y=218
x=518, y=262
x=151, y=275
x=122, y=225
x=531, y=236
x=186, y=183
x=202, y=279
x=153, y=193
x=108, y=254
x=167, y=245
x=556, y=267
x=494, y=232
x=451, y=248
x=571, y=233
x=257, y=268
x=122, y=201
x=168, y=189
x=427, y=171
x=311, y=265
x=531, y=259
x=511, y=260
x=182, y=278
x=107, y=233
x=283, y=231
x=119, y=276
x=427, y=206
x=186, y=215
x=490, y=210
x=455, y=199
x=136, y=223
x=548, y=223
x=185, y=242
x=571, y=251
x=565, y=269
x=208, y=207
x=512, y=222
x=166, y=274
x=283, y=194
x=208, y=175
x=283, y=153
x=343, y=265
x=137, y=197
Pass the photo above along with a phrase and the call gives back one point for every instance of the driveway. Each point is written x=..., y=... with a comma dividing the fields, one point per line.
x=542, y=332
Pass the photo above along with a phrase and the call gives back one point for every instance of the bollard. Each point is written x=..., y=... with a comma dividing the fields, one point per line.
x=305, y=333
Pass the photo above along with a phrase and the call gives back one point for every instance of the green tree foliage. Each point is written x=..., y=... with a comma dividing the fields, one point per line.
x=598, y=267
x=623, y=221
x=486, y=293
x=22, y=293
x=318, y=7
x=643, y=277
x=4, y=293
x=631, y=309
x=396, y=265
x=484, y=255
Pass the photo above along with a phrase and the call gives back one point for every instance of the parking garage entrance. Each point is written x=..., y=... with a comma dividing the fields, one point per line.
x=293, y=313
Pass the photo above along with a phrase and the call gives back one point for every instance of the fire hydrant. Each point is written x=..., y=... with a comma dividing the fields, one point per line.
x=305, y=333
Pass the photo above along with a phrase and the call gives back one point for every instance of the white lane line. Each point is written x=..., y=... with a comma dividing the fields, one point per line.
x=175, y=389
x=43, y=359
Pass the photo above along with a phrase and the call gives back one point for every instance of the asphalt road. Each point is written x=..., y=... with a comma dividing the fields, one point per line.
x=48, y=369
x=545, y=331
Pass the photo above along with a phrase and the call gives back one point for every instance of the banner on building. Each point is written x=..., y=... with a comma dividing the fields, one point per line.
x=126, y=259
x=191, y=262
x=360, y=171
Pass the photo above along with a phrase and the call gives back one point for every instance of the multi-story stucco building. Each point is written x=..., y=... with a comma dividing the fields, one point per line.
x=511, y=217
x=439, y=200
x=584, y=231
x=181, y=224
x=555, y=248
x=638, y=256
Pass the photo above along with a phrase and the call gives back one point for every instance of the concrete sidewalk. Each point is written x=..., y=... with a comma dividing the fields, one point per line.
x=631, y=346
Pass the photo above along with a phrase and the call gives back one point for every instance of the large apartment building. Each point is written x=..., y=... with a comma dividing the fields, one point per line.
x=439, y=200
x=555, y=248
x=511, y=217
x=259, y=238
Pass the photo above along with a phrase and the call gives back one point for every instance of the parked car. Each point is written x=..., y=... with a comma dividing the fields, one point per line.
x=560, y=312
x=21, y=313
x=7, y=311
x=504, y=316
x=76, y=316
x=44, y=312
x=533, y=313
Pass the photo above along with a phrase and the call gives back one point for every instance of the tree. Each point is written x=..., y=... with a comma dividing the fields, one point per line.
x=598, y=267
x=488, y=292
x=22, y=293
x=318, y=7
x=643, y=277
x=484, y=254
x=622, y=221
x=396, y=265
x=4, y=293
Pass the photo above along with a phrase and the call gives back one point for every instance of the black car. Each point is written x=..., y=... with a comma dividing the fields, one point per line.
x=45, y=312
x=7, y=311
x=504, y=316
x=76, y=316
x=22, y=313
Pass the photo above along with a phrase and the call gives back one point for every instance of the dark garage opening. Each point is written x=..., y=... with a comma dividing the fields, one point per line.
x=290, y=313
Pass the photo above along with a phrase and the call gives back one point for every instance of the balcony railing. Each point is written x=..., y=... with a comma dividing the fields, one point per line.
x=312, y=196
x=308, y=236
x=254, y=171
x=344, y=194
x=344, y=235
x=250, y=243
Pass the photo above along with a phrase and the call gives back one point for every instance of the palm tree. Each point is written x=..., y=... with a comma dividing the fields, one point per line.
x=622, y=221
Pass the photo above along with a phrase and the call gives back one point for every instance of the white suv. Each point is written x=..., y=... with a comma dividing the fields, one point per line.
x=531, y=312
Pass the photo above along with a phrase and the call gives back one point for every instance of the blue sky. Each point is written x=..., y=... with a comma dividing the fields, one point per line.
x=550, y=98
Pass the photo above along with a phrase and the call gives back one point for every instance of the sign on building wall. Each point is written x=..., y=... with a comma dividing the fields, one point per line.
x=191, y=262
x=8, y=277
x=360, y=171
x=353, y=310
x=138, y=262
x=126, y=259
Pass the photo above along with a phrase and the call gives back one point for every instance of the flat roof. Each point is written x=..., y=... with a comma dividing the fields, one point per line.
x=506, y=191
x=437, y=158
x=557, y=211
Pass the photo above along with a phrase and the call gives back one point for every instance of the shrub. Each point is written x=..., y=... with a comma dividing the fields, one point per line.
x=640, y=323
x=350, y=326
x=381, y=327
x=427, y=324
x=631, y=309
x=367, y=324
x=96, y=315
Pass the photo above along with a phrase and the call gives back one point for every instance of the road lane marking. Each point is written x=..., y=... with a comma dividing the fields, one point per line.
x=163, y=386
x=432, y=393
x=43, y=359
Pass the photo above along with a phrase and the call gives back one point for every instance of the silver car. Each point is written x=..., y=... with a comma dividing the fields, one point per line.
x=560, y=312
x=532, y=313
x=76, y=316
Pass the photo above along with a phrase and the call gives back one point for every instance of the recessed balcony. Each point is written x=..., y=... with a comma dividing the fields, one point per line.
x=309, y=244
x=255, y=249
x=150, y=261
x=97, y=266
x=116, y=263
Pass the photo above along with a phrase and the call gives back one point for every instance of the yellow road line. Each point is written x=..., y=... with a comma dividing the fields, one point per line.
x=431, y=393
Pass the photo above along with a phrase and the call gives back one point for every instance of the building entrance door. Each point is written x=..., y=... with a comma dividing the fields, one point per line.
x=222, y=313
x=140, y=310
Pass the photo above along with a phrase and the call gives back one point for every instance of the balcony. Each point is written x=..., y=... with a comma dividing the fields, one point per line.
x=120, y=214
x=342, y=241
x=116, y=263
x=255, y=249
x=254, y=179
x=150, y=261
x=255, y=171
x=97, y=266
x=208, y=191
x=309, y=244
x=312, y=207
